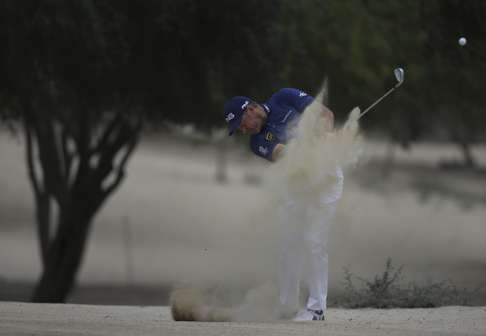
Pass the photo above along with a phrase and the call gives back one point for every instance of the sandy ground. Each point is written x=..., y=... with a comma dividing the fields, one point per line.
x=53, y=319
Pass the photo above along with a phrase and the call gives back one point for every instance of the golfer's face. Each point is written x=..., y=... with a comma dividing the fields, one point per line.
x=253, y=119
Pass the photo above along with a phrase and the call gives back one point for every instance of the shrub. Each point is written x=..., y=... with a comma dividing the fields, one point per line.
x=387, y=291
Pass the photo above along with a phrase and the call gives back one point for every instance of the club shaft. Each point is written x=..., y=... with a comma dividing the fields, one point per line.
x=378, y=100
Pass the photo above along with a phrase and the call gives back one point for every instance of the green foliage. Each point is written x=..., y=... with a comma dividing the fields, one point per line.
x=180, y=59
x=387, y=291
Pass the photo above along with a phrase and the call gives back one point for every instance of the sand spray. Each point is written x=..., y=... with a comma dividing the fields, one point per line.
x=307, y=170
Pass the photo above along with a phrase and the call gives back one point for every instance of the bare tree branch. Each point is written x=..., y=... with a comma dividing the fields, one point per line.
x=36, y=184
x=50, y=158
x=43, y=211
x=67, y=156
x=110, y=150
x=120, y=173
x=82, y=141
x=108, y=132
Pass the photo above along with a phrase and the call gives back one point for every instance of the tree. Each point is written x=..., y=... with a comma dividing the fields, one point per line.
x=80, y=118
x=81, y=77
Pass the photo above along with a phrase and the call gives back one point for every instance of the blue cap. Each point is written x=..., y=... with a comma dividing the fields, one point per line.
x=233, y=111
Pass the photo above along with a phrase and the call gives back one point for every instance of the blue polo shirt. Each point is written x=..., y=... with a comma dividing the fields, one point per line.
x=283, y=113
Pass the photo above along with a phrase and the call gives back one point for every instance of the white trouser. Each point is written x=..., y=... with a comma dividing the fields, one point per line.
x=303, y=252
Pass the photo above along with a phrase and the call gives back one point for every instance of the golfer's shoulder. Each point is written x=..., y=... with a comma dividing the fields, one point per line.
x=293, y=97
x=287, y=92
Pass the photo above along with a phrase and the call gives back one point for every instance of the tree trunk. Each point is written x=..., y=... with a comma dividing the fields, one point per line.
x=215, y=72
x=463, y=133
x=78, y=190
x=461, y=137
x=221, y=162
x=64, y=258
x=467, y=154
x=43, y=215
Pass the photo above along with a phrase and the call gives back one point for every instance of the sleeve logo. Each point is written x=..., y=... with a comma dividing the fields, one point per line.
x=302, y=94
x=230, y=117
x=269, y=136
x=263, y=150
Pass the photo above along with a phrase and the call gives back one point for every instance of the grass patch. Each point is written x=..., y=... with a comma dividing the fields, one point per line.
x=389, y=290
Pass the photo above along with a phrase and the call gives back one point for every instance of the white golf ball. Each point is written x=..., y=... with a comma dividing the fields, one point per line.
x=462, y=41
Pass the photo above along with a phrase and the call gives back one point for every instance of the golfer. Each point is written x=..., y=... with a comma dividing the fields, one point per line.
x=304, y=255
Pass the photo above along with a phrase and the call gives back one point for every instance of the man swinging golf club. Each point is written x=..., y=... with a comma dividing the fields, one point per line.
x=271, y=125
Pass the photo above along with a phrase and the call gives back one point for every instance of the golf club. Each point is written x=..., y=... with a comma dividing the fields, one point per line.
x=399, y=75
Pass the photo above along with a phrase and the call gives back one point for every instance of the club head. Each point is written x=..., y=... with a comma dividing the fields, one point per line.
x=399, y=75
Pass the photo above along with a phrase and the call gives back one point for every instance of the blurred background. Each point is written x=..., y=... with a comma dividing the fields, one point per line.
x=117, y=178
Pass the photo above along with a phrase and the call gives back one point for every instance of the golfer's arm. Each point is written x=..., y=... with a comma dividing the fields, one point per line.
x=326, y=114
x=329, y=116
x=278, y=152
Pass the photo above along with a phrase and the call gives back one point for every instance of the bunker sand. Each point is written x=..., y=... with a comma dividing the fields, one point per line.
x=66, y=319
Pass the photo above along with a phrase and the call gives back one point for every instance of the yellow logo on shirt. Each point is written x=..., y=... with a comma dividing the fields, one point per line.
x=269, y=136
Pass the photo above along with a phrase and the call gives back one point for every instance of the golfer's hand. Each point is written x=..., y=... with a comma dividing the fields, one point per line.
x=278, y=152
x=328, y=118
